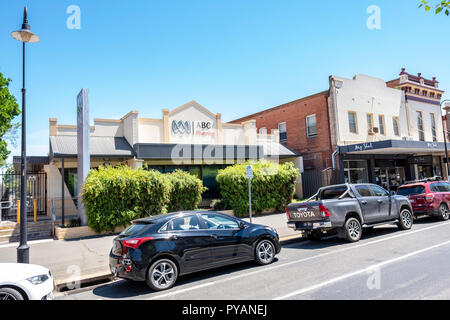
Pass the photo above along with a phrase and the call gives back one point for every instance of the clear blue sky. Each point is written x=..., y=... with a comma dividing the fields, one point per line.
x=235, y=56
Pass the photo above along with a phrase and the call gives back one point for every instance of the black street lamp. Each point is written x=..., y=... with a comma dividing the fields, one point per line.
x=24, y=35
x=445, y=139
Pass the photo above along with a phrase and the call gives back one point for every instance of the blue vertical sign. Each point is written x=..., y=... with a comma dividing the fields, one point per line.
x=83, y=154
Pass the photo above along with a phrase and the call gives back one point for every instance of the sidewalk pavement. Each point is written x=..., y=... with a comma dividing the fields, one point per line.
x=87, y=259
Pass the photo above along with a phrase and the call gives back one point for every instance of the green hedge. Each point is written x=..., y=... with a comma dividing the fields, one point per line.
x=114, y=196
x=186, y=191
x=273, y=186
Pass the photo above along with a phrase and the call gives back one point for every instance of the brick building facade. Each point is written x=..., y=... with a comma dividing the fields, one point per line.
x=315, y=147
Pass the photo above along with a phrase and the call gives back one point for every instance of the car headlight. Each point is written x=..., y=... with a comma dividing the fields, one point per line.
x=38, y=279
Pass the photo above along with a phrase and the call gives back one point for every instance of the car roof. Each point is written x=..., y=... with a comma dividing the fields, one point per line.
x=167, y=216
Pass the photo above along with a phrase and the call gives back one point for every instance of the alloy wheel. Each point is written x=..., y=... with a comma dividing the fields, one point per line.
x=406, y=218
x=354, y=229
x=7, y=296
x=444, y=212
x=265, y=251
x=163, y=275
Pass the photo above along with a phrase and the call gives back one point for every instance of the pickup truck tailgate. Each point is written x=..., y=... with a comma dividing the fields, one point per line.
x=305, y=211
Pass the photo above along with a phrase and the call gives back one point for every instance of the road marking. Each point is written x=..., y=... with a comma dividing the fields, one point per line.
x=268, y=268
x=15, y=244
x=358, y=272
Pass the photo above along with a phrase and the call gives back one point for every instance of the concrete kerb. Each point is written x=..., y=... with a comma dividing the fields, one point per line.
x=85, y=283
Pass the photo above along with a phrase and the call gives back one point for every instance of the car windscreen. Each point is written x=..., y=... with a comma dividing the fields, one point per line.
x=332, y=193
x=410, y=191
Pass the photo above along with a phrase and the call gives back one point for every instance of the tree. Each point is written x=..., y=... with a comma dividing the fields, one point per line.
x=8, y=110
x=443, y=6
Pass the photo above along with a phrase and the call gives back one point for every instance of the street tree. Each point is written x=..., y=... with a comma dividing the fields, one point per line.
x=442, y=6
x=9, y=109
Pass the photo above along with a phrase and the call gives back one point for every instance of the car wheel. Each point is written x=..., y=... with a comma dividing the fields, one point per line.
x=443, y=212
x=353, y=230
x=265, y=252
x=10, y=294
x=406, y=220
x=162, y=275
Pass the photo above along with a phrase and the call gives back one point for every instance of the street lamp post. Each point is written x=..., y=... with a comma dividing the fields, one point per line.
x=445, y=139
x=24, y=35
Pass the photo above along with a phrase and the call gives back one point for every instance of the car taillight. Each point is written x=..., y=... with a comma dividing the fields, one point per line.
x=429, y=197
x=324, y=211
x=135, y=243
x=287, y=213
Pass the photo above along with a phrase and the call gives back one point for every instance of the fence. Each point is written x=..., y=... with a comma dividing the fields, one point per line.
x=36, y=194
x=313, y=180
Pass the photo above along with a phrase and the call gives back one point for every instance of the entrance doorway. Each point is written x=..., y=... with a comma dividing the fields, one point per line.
x=390, y=178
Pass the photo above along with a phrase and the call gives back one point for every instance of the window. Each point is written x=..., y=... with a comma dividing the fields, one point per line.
x=379, y=191
x=417, y=91
x=311, y=126
x=420, y=126
x=440, y=187
x=433, y=127
x=355, y=171
x=182, y=224
x=363, y=191
x=352, y=122
x=263, y=130
x=410, y=191
x=370, y=121
x=425, y=93
x=381, y=124
x=333, y=193
x=282, y=129
x=216, y=222
x=395, y=123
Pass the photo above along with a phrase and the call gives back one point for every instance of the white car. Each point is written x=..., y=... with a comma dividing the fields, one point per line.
x=20, y=281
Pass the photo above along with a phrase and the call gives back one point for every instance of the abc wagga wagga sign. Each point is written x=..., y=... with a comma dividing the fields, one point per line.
x=199, y=128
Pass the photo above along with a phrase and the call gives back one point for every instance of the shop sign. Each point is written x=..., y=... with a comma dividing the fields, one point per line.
x=363, y=146
x=199, y=128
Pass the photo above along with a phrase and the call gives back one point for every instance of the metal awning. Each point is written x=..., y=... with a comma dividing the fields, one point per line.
x=394, y=147
x=66, y=146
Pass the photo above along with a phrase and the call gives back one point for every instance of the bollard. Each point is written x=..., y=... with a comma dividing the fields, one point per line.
x=35, y=210
x=18, y=211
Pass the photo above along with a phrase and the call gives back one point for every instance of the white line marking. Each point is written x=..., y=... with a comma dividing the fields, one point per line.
x=365, y=270
x=16, y=244
x=268, y=268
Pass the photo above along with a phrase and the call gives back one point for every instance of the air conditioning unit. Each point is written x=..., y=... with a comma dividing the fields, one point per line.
x=373, y=131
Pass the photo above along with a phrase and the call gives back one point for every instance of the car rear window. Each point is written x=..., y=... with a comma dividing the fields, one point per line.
x=409, y=191
x=134, y=229
x=333, y=193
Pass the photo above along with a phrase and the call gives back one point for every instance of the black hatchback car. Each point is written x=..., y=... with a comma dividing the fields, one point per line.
x=159, y=249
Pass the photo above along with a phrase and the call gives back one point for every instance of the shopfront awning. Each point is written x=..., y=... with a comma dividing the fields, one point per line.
x=66, y=146
x=394, y=147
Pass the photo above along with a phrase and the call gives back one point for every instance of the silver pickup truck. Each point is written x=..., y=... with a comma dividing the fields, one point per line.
x=347, y=209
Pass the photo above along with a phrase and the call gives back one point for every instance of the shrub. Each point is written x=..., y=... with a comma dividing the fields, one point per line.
x=186, y=191
x=273, y=186
x=115, y=196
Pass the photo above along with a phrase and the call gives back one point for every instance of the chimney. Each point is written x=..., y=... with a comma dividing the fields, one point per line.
x=53, y=129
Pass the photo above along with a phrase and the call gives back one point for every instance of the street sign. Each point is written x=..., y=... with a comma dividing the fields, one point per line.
x=249, y=172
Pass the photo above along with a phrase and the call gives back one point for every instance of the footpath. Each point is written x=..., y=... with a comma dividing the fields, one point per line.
x=86, y=260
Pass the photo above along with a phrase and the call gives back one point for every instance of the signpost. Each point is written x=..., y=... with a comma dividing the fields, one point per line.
x=249, y=173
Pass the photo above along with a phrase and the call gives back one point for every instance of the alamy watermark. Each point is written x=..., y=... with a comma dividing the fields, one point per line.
x=74, y=20
x=374, y=19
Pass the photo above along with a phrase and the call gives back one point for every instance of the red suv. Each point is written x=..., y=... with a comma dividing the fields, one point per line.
x=431, y=198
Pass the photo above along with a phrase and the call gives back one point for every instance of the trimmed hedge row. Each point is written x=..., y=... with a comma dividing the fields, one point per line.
x=114, y=196
x=273, y=186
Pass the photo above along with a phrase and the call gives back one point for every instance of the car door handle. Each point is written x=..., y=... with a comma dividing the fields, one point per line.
x=364, y=202
x=174, y=238
x=214, y=236
x=380, y=201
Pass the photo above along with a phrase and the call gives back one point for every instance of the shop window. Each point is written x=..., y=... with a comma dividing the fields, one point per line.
x=395, y=123
x=352, y=122
x=311, y=126
x=420, y=126
x=282, y=129
x=433, y=127
x=381, y=124
x=356, y=171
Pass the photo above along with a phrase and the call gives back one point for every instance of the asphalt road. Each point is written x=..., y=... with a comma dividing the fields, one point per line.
x=385, y=264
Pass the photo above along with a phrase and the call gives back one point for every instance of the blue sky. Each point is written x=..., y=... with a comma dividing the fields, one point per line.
x=235, y=57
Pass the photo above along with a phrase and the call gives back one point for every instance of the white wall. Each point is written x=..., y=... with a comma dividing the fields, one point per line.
x=365, y=94
x=150, y=131
x=426, y=109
